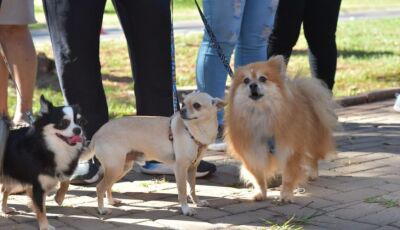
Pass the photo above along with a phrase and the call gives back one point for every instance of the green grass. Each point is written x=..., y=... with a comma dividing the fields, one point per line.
x=369, y=59
x=293, y=222
x=185, y=10
x=388, y=203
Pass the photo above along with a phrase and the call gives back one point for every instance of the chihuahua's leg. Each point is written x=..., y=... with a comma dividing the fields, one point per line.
x=111, y=175
x=4, y=206
x=60, y=195
x=127, y=167
x=181, y=170
x=38, y=197
x=192, y=184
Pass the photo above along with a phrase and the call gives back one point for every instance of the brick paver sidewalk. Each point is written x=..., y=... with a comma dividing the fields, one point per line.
x=358, y=190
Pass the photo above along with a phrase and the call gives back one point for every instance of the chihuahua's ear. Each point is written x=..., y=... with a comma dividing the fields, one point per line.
x=45, y=105
x=219, y=103
x=279, y=63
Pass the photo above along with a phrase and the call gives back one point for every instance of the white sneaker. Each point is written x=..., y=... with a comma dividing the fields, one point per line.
x=396, y=106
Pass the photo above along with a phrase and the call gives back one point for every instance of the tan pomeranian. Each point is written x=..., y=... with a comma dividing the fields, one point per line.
x=298, y=113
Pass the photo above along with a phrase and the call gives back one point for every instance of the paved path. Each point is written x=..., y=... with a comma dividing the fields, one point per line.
x=42, y=36
x=358, y=190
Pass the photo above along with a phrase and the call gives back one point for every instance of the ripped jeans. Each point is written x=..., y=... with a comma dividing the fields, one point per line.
x=240, y=25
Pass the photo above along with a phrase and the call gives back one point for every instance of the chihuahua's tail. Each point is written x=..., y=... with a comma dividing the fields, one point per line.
x=88, y=153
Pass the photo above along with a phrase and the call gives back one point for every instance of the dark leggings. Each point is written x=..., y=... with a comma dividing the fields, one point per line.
x=75, y=26
x=319, y=18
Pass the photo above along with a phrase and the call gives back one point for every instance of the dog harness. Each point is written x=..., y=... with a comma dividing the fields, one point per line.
x=200, y=146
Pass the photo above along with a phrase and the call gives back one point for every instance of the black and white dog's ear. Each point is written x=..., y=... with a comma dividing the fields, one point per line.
x=45, y=105
x=219, y=103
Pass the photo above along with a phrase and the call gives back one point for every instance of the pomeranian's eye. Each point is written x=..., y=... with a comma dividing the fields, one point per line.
x=262, y=79
x=183, y=104
x=196, y=106
x=64, y=123
x=246, y=81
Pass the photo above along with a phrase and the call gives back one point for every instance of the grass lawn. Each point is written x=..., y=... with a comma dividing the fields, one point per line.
x=369, y=59
x=186, y=10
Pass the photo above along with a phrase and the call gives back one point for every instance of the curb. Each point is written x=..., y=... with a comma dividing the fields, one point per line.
x=373, y=96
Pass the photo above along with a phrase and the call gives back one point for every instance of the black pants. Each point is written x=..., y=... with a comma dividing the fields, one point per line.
x=75, y=26
x=319, y=18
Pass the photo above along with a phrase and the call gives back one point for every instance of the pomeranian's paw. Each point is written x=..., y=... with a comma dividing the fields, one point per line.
x=202, y=203
x=187, y=211
x=259, y=196
x=104, y=211
x=8, y=210
x=286, y=197
x=114, y=202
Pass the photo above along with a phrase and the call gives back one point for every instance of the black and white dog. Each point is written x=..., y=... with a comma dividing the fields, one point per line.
x=37, y=158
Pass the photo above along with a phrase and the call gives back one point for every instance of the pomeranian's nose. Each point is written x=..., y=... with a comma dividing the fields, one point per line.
x=253, y=87
x=77, y=131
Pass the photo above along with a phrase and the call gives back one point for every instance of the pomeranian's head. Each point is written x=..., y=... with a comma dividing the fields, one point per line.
x=260, y=82
x=200, y=106
x=60, y=125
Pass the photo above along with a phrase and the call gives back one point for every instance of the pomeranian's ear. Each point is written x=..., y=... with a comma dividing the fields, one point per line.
x=45, y=105
x=219, y=103
x=279, y=63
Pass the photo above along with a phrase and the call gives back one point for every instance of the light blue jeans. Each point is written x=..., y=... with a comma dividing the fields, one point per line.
x=243, y=25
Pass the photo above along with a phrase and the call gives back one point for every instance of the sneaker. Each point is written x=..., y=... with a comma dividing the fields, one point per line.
x=87, y=172
x=396, y=106
x=156, y=168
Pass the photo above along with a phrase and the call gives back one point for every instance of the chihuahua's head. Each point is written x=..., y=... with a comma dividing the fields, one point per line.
x=259, y=82
x=200, y=106
x=61, y=126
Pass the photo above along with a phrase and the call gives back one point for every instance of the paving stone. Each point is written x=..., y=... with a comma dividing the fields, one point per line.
x=247, y=206
x=328, y=222
x=388, y=187
x=244, y=218
x=357, y=210
x=86, y=223
x=384, y=217
x=206, y=213
x=355, y=195
x=359, y=184
x=295, y=209
x=147, y=225
x=184, y=222
x=388, y=228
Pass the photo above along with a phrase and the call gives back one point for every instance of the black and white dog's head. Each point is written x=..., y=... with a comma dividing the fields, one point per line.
x=60, y=126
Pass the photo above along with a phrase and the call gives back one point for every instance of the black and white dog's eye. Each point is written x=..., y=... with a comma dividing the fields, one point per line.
x=246, y=81
x=262, y=79
x=64, y=123
x=197, y=106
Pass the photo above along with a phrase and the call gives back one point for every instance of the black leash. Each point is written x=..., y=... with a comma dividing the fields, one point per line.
x=214, y=41
x=224, y=60
x=175, y=100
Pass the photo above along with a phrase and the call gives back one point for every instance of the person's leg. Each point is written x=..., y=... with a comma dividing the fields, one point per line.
x=3, y=89
x=288, y=18
x=147, y=27
x=224, y=17
x=320, y=24
x=74, y=27
x=257, y=23
x=21, y=56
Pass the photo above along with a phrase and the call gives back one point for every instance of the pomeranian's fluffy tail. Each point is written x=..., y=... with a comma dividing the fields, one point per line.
x=88, y=153
x=321, y=100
